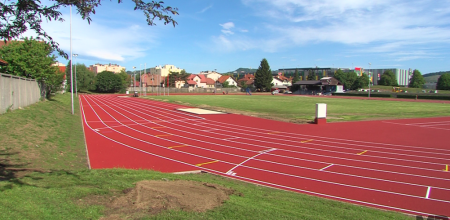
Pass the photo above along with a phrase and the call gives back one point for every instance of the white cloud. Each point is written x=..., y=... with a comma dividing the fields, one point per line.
x=205, y=9
x=100, y=42
x=384, y=26
x=227, y=25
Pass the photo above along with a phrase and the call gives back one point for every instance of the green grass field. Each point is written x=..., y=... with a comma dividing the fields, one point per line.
x=43, y=171
x=302, y=108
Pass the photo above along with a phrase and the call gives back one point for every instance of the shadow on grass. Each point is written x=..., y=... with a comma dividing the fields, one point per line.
x=13, y=172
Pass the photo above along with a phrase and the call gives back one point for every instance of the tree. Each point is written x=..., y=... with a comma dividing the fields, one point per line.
x=360, y=82
x=125, y=78
x=388, y=79
x=443, y=82
x=417, y=80
x=32, y=59
x=296, y=77
x=311, y=75
x=263, y=76
x=108, y=82
x=84, y=78
x=294, y=80
x=177, y=76
x=20, y=15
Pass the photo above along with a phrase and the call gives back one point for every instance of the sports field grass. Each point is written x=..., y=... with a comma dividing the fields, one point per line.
x=43, y=175
x=302, y=108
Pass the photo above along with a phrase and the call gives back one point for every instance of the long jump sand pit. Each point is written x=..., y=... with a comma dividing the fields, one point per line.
x=200, y=111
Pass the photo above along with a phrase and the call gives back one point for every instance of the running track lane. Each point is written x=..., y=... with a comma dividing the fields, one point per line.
x=397, y=165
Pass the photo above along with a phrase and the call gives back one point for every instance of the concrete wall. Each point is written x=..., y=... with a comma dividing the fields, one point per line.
x=17, y=92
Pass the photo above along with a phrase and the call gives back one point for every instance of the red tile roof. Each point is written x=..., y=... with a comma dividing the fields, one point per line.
x=2, y=62
x=202, y=78
x=222, y=79
x=210, y=81
x=191, y=82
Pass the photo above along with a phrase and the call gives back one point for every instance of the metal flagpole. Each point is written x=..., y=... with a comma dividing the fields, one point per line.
x=71, y=74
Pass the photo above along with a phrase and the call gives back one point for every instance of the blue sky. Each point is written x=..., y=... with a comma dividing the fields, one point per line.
x=226, y=35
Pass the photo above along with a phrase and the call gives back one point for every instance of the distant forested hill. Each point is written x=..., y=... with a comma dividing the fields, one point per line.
x=433, y=77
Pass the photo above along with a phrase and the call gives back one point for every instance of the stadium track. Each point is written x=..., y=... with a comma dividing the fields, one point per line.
x=397, y=165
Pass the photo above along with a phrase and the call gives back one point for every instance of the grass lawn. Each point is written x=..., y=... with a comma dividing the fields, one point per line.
x=43, y=173
x=302, y=108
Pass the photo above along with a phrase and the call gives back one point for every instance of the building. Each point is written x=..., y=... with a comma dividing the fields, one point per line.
x=231, y=81
x=97, y=68
x=403, y=76
x=164, y=70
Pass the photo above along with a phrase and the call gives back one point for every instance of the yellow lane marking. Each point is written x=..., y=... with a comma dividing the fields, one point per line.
x=306, y=141
x=362, y=152
x=178, y=146
x=163, y=135
x=276, y=132
x=446, y=168
x=201, y=164
x=157, y=127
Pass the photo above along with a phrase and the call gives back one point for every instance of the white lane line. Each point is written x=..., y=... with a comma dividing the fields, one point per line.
x=327, y=167
x=261, y=152
x=428, y=192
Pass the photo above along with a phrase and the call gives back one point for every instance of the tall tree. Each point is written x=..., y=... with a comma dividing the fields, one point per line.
x=33, y=59
x=443, y=82
x=312, y=74
x=125, y=78
x=263, y=76
x=296, y=77
x=388, y=79
x=417, y=80
x=20, y=15
x=108, y=82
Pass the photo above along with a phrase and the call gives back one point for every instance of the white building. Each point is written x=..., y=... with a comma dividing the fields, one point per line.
x=403, y=76
x=164, y=70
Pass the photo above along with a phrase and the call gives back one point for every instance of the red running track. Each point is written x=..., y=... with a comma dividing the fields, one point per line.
x=398, y=165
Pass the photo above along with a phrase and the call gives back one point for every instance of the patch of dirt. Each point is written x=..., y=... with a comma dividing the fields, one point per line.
x=150, y=197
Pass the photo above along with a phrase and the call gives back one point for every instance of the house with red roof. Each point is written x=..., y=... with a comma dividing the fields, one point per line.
x=231, y=81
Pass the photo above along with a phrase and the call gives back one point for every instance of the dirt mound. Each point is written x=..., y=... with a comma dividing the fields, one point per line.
x=151, y=197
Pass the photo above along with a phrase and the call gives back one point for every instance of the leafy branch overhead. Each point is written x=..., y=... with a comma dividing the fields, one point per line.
x=16, y=17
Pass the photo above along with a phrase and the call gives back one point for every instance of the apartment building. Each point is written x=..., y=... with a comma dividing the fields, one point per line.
x=164, y=70
x=97, y=68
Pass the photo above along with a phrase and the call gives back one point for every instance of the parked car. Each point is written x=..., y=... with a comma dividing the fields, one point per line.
x=275, y=92
x=287, y=92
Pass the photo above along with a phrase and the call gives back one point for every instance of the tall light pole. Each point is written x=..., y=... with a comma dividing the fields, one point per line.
x=134, y=78
x=370, y=64
x=140, y=79
x=71, y=75
x=76, y=85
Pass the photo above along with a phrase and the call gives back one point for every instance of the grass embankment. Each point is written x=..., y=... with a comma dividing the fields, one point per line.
x=47, y=138
x=302, y=108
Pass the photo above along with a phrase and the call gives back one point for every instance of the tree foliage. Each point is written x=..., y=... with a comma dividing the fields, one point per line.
x=312, y=74
x=84, y=78
x=296, y=77
x=417, y=80
x=125, y=78
x=347, y=78
x=388, y=79
x=32, y=59
x=108, y=82
x=177, y=76
x=16, y=17
x=443, y=82
x=360, y=82
x=263, y=76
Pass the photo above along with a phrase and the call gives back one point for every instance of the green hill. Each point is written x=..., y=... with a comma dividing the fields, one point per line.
x=433, y=77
